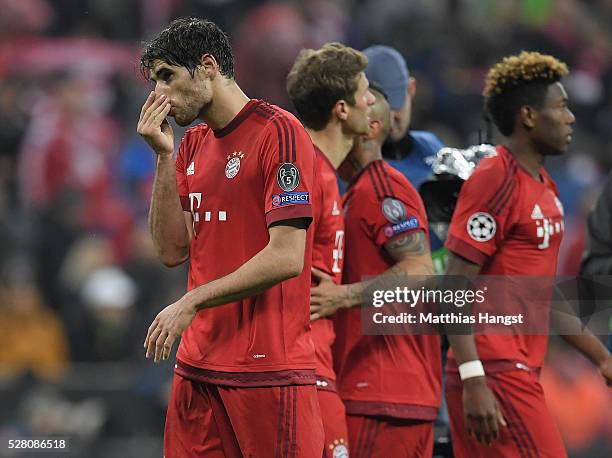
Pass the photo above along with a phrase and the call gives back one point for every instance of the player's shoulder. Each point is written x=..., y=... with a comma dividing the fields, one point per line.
x=494, y=182
x=281, y=131
x=496, y=169
x=399, y=183
x=199, y=130
x=273, y=117
x=380, y=180
x=192, y=138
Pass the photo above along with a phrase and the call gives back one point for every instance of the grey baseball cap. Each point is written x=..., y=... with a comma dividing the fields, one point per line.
x=387, y=67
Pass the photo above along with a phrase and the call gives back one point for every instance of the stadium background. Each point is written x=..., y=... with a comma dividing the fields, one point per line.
x=79, y=279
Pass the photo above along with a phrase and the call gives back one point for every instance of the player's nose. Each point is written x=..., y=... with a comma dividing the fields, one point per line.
x=160, y=90
x=370, y=98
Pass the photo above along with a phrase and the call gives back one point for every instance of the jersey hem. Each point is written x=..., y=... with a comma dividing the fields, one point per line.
x=296, y=211
x=494, y=366
x=465, y=250
x=326, y=384
x=246, y=379
x=391, y=409
x=404, y=234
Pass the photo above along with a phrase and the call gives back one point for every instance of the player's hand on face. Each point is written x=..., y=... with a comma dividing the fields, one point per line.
x=325, y=298
x=154, y=127
x=606, y=370
x=168, y=326
x=481, y=413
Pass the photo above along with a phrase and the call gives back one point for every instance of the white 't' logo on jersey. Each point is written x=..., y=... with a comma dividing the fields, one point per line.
x=335, y=210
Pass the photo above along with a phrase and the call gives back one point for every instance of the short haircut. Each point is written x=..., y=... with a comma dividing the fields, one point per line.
x=374, y=86
x=319, y=78
x=381, y=110
x=517, y=81
x=184, y=42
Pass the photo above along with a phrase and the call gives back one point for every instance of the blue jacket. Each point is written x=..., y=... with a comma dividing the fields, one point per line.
x=413, y=155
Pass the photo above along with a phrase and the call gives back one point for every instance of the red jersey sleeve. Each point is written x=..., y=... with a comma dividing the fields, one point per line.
x=396, y=215
x=287, y=161
x=181, y=176
x=484, y=214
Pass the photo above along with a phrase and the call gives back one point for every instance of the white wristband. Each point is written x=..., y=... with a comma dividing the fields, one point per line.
x=471, y=369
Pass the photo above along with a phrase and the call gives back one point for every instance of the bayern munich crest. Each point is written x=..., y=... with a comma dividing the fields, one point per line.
x=481, y=227
x=338, y=449
x=233, y=164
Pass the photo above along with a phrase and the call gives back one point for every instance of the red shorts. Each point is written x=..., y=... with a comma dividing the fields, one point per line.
x=211, y=421
x=531, y=431
x=334, y=424
x=385, y=437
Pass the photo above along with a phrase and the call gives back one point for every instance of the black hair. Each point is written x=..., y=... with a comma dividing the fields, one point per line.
x=184, y=42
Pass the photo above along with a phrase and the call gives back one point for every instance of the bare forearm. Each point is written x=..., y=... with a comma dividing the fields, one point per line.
x=166, y=220
x=464, y=347
x=267, y=268
x=412, y=275
x=412, y=269
x=569, y=326
x=590, y=346
x=461, y=339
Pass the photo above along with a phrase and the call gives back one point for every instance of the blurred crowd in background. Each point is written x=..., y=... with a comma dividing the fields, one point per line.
x=79, y=280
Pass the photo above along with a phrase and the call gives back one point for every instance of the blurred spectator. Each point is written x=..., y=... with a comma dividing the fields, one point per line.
x=572, y=386
x=20, y=16
x=267, y=41
x=33, y=337
x=69, y=143
x=110, y=296
x=597, y=259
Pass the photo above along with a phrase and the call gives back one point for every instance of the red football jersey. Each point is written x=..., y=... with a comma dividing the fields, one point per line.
x=236, y=182
x=510, y=224
x=392, y=375
x=326, y=256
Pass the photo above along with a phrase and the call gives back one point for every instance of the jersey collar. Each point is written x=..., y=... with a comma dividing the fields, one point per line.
x=238, y=119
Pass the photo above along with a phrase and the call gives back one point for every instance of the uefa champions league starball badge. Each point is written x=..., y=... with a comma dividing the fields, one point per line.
x=481, y=227
x=233, y=164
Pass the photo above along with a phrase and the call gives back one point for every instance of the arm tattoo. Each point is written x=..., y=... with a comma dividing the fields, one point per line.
x=413, y=244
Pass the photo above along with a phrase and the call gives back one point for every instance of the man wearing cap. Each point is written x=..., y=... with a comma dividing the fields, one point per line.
x=410, y=151
x=390, y=383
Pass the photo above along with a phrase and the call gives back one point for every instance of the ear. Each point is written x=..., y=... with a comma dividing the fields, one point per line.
x=209, y=66
x=412, y=86
x=528, y=116
x=374, y=130
x=340, y=110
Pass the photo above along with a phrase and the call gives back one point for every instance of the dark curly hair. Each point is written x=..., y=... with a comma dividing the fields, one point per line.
x=184, y=42
x=517, y=81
